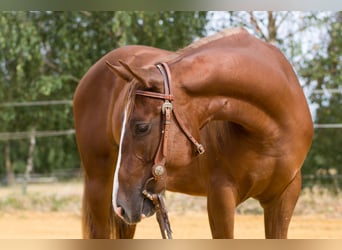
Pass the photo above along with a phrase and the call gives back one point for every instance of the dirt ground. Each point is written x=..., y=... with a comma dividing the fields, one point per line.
x=52, y=211
x=66, y=225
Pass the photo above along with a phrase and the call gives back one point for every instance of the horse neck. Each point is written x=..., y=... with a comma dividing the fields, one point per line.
x=226, y=91
x=252, y=118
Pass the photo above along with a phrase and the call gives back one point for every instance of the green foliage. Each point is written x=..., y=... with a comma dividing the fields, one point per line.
x=44, y=54
x=324, y=71
x=19, y=56
x=158, y=29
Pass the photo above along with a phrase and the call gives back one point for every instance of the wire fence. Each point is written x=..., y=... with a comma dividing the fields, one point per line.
x=36, y=103
x=5, y=136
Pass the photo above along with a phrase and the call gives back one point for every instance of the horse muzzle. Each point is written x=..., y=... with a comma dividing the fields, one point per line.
x=134, y=207
x=135, y=210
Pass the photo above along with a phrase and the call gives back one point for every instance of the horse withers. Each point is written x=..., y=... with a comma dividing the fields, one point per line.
x=224, y=118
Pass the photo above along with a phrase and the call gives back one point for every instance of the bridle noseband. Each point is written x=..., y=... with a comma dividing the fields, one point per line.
x=158, y=169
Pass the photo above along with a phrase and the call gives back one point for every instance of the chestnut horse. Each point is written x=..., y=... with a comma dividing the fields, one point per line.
x=224, y=118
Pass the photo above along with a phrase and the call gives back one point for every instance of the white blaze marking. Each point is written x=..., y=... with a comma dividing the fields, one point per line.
x=118, y=163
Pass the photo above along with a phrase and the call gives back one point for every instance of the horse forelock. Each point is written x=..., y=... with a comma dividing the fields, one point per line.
x=130, y=99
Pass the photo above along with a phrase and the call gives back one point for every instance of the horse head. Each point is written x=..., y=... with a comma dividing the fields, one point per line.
x=152, y=142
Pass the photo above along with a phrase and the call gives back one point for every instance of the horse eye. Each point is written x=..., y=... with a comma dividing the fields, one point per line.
x=142, y=128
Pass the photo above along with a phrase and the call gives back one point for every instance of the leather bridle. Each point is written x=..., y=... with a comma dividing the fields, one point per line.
x=167, y=111
x=158, y=169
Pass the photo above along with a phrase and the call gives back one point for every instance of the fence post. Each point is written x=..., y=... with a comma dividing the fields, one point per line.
x=29, y=165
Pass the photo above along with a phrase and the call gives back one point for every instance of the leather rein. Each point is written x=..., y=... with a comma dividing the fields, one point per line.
x=158, y=169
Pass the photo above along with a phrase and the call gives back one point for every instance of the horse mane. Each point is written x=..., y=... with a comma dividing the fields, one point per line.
x=204, y=41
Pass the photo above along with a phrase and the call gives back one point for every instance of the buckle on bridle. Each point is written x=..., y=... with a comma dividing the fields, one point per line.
x=166, y=105
x=200, y=149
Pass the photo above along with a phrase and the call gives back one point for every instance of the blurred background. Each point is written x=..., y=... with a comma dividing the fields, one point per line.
x=44, y=54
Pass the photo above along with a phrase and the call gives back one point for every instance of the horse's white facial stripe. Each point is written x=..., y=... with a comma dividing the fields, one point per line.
x=118, y=162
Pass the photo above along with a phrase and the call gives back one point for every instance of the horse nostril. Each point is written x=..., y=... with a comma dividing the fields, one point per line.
x=119, y=211
x=122, y=212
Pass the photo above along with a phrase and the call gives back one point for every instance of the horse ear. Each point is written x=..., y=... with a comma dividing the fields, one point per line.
x=120, y=71
x=145, y=76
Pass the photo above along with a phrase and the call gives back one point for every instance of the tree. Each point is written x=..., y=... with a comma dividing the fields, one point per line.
x=290, y=31
x=324, y=71
x=20, y=63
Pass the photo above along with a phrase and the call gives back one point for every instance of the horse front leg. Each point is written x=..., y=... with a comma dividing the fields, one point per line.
x=279, y=210
x=98, y=217
x=221, y=210
x=95, y=210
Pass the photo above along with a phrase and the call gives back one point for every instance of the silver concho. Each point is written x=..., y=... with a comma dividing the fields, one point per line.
x=159, y=170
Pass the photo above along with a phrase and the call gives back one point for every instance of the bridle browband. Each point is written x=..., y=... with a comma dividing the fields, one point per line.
x=158, y=169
